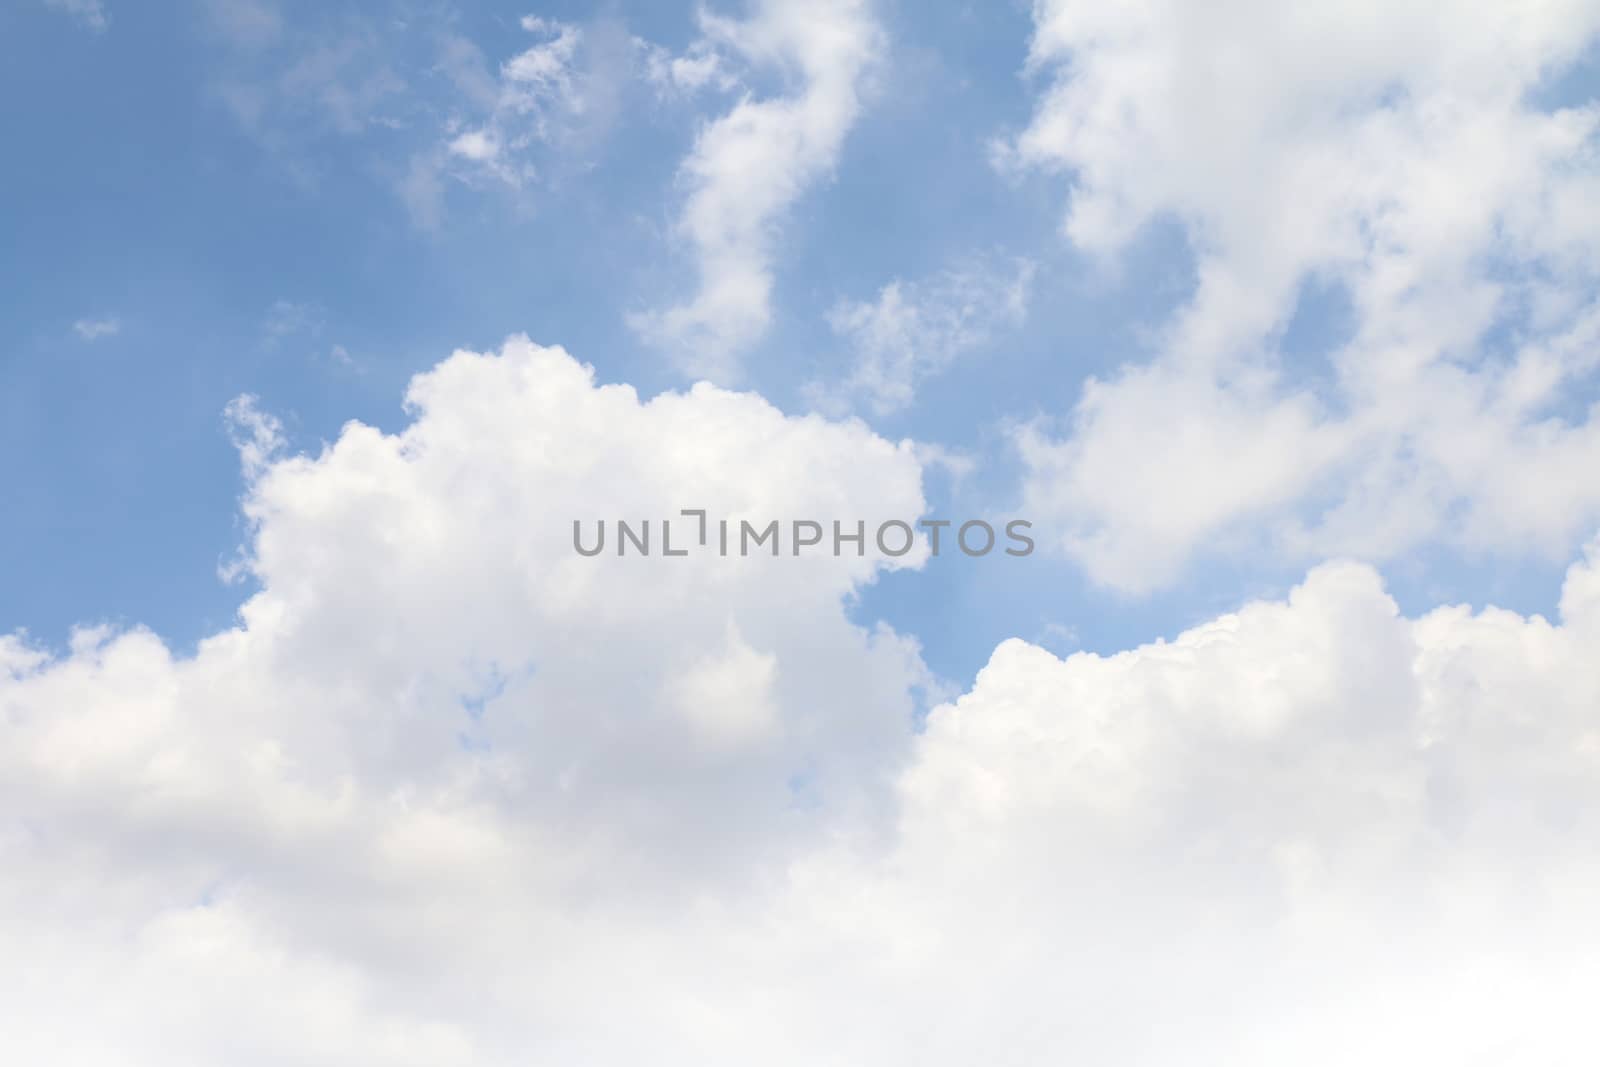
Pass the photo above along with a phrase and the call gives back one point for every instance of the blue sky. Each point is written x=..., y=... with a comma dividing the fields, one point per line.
x=276, y=253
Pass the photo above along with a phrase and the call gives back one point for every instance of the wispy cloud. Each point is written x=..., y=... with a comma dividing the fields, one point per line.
x=94, y=329
x=286, y=318
x=90, y=14
x=251, y=23
x=543, y=112
x=434, y=108
x=748, y=168
x=296, y=89
x=697, y=68
x=916, y=329
x=538, y=88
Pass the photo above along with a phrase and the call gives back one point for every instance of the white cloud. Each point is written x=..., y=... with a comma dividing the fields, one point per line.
x=257, y=435
x=428, y=103
x=538, y=89
x=749, y=166
x=698, y=67
x=450, y=794
x=1311, y=832
x=548, y=105
x=401, y=88
x=480, y=146
x=94, y=329
x=1393, y=151
x=90, y=14
x=726, y=698
x=546, y=68
x=426, y=641
x=917, y=329
x=419, y=101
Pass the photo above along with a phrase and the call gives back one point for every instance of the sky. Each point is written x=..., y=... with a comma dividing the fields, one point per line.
x=322, y=323
x=230, y=192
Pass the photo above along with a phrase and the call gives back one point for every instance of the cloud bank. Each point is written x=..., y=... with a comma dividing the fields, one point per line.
x=450, y=794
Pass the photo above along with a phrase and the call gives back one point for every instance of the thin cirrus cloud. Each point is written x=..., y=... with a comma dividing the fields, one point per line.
x=914, y=330
x=699, y=67
x=551, y=102
x=749, y=166
x=90, y=14
x=410, y=87
x=1396, y=153
x=464, y=797
x=288, y=318
x=94, y=329
x=539, y=89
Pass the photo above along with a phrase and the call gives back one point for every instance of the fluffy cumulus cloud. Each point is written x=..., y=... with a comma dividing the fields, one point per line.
x=434, y=703
x=450, y=793
x=1420, y=164
x=749, y=166
x=1309, y=832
